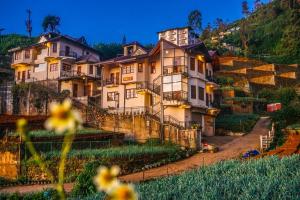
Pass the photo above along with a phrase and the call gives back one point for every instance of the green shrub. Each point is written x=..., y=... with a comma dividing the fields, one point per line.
x=48, y=194
x=236, y=122
x=130, y=158
x=268, y=178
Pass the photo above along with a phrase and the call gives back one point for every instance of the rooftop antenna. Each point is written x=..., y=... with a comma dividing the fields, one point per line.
x=28, y=22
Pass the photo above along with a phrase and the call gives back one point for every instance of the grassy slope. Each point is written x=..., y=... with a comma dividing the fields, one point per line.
x=269, y=178
x=274, y=30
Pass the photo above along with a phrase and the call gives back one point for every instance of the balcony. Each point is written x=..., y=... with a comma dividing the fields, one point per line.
x=69, y=54
x=28, y=60
x=111, y=82
x=176, y=98
x=73, y=74
x=170, y=70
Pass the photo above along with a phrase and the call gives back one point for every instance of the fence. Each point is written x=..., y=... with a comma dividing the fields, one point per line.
x=266, y=140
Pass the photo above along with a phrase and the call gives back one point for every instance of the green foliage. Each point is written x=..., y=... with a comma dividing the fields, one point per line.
x=268, y=178
x=48, y=194
x=272, y=33
x=115, y=152
x=281, y=95
x=225, y=81
x=46, y=133
x=195, y=21
x=108, y=51
x=245, y=99
x=84, y=183
x=50, y=23
x=236, y=122
x=10, y=41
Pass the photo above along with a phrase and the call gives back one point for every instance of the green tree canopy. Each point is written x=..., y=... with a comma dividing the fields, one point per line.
x=50, y=23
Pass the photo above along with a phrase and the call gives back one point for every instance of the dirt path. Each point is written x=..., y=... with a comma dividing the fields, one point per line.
x=230, y=150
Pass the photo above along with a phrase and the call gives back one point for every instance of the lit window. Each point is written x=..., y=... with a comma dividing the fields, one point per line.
x=130, y=93
x=53, y=67
x=140, y=67
x=153, y=68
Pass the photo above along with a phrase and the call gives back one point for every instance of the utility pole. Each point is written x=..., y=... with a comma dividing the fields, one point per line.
x=28, y=22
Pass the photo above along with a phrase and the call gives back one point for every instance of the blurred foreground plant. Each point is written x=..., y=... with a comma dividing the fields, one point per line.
x=64, y=120
x=106, y=180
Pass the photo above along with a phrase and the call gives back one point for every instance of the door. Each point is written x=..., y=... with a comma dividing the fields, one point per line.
x=75, y=90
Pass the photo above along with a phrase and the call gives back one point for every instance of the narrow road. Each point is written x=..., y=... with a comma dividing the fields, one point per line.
x=227, y=151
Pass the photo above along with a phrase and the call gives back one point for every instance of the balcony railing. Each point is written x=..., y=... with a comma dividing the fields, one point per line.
x=176, y=95
x=76, y=74
x=113, y=81
x=68, y=54
x=169, y=70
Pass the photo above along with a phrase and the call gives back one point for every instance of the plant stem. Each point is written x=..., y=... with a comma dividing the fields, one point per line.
x=37, y=157
x=68, y=140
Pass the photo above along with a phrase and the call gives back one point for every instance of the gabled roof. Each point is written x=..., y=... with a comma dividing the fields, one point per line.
x=87, y=59
x=51, y=36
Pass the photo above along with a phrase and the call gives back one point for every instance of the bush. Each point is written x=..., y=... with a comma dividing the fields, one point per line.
x=236, y=122
x=268, y=178
x=48, y=194
x=130, y=158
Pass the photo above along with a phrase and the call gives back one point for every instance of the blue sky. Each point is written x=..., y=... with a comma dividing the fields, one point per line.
x=109, y=20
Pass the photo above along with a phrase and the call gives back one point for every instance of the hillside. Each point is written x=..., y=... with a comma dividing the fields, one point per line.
x=271, y=33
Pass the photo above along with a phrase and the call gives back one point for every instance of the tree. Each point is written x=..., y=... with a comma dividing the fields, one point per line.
x=245, y=8
x=206, y=34
x=195, y=21
x=257, y=4
x=220, y=25
x=50, y=23
x=108, y=51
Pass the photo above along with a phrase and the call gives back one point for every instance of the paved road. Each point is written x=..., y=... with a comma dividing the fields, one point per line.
x=229, y=150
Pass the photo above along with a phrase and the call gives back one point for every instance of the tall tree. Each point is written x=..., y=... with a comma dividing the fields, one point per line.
x=245, y=8
x=195, y=21
x=28, y=22
x=257, y=4
x=206, y=34
x=50, y=23
x=220, y=25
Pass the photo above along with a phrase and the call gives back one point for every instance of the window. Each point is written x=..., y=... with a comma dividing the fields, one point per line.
x=200, y=67
x=54, y=47
x=66, y=67
x=153, y=68
x=28, y=74
x=19, y=76
x=18, y=55
x=53, y=67
x=193, y=92
x=201, y=93
x=27, y=54
x=78, y=69
x=192, y=64
x=112, y=96
x=128, y=70
x=130, y=93
x=98, y=71
x=91, y=69
x=140, y=67
x=23, y=75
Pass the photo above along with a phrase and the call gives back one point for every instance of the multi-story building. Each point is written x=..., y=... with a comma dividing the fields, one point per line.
x=66, y=62
x=173, y=81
